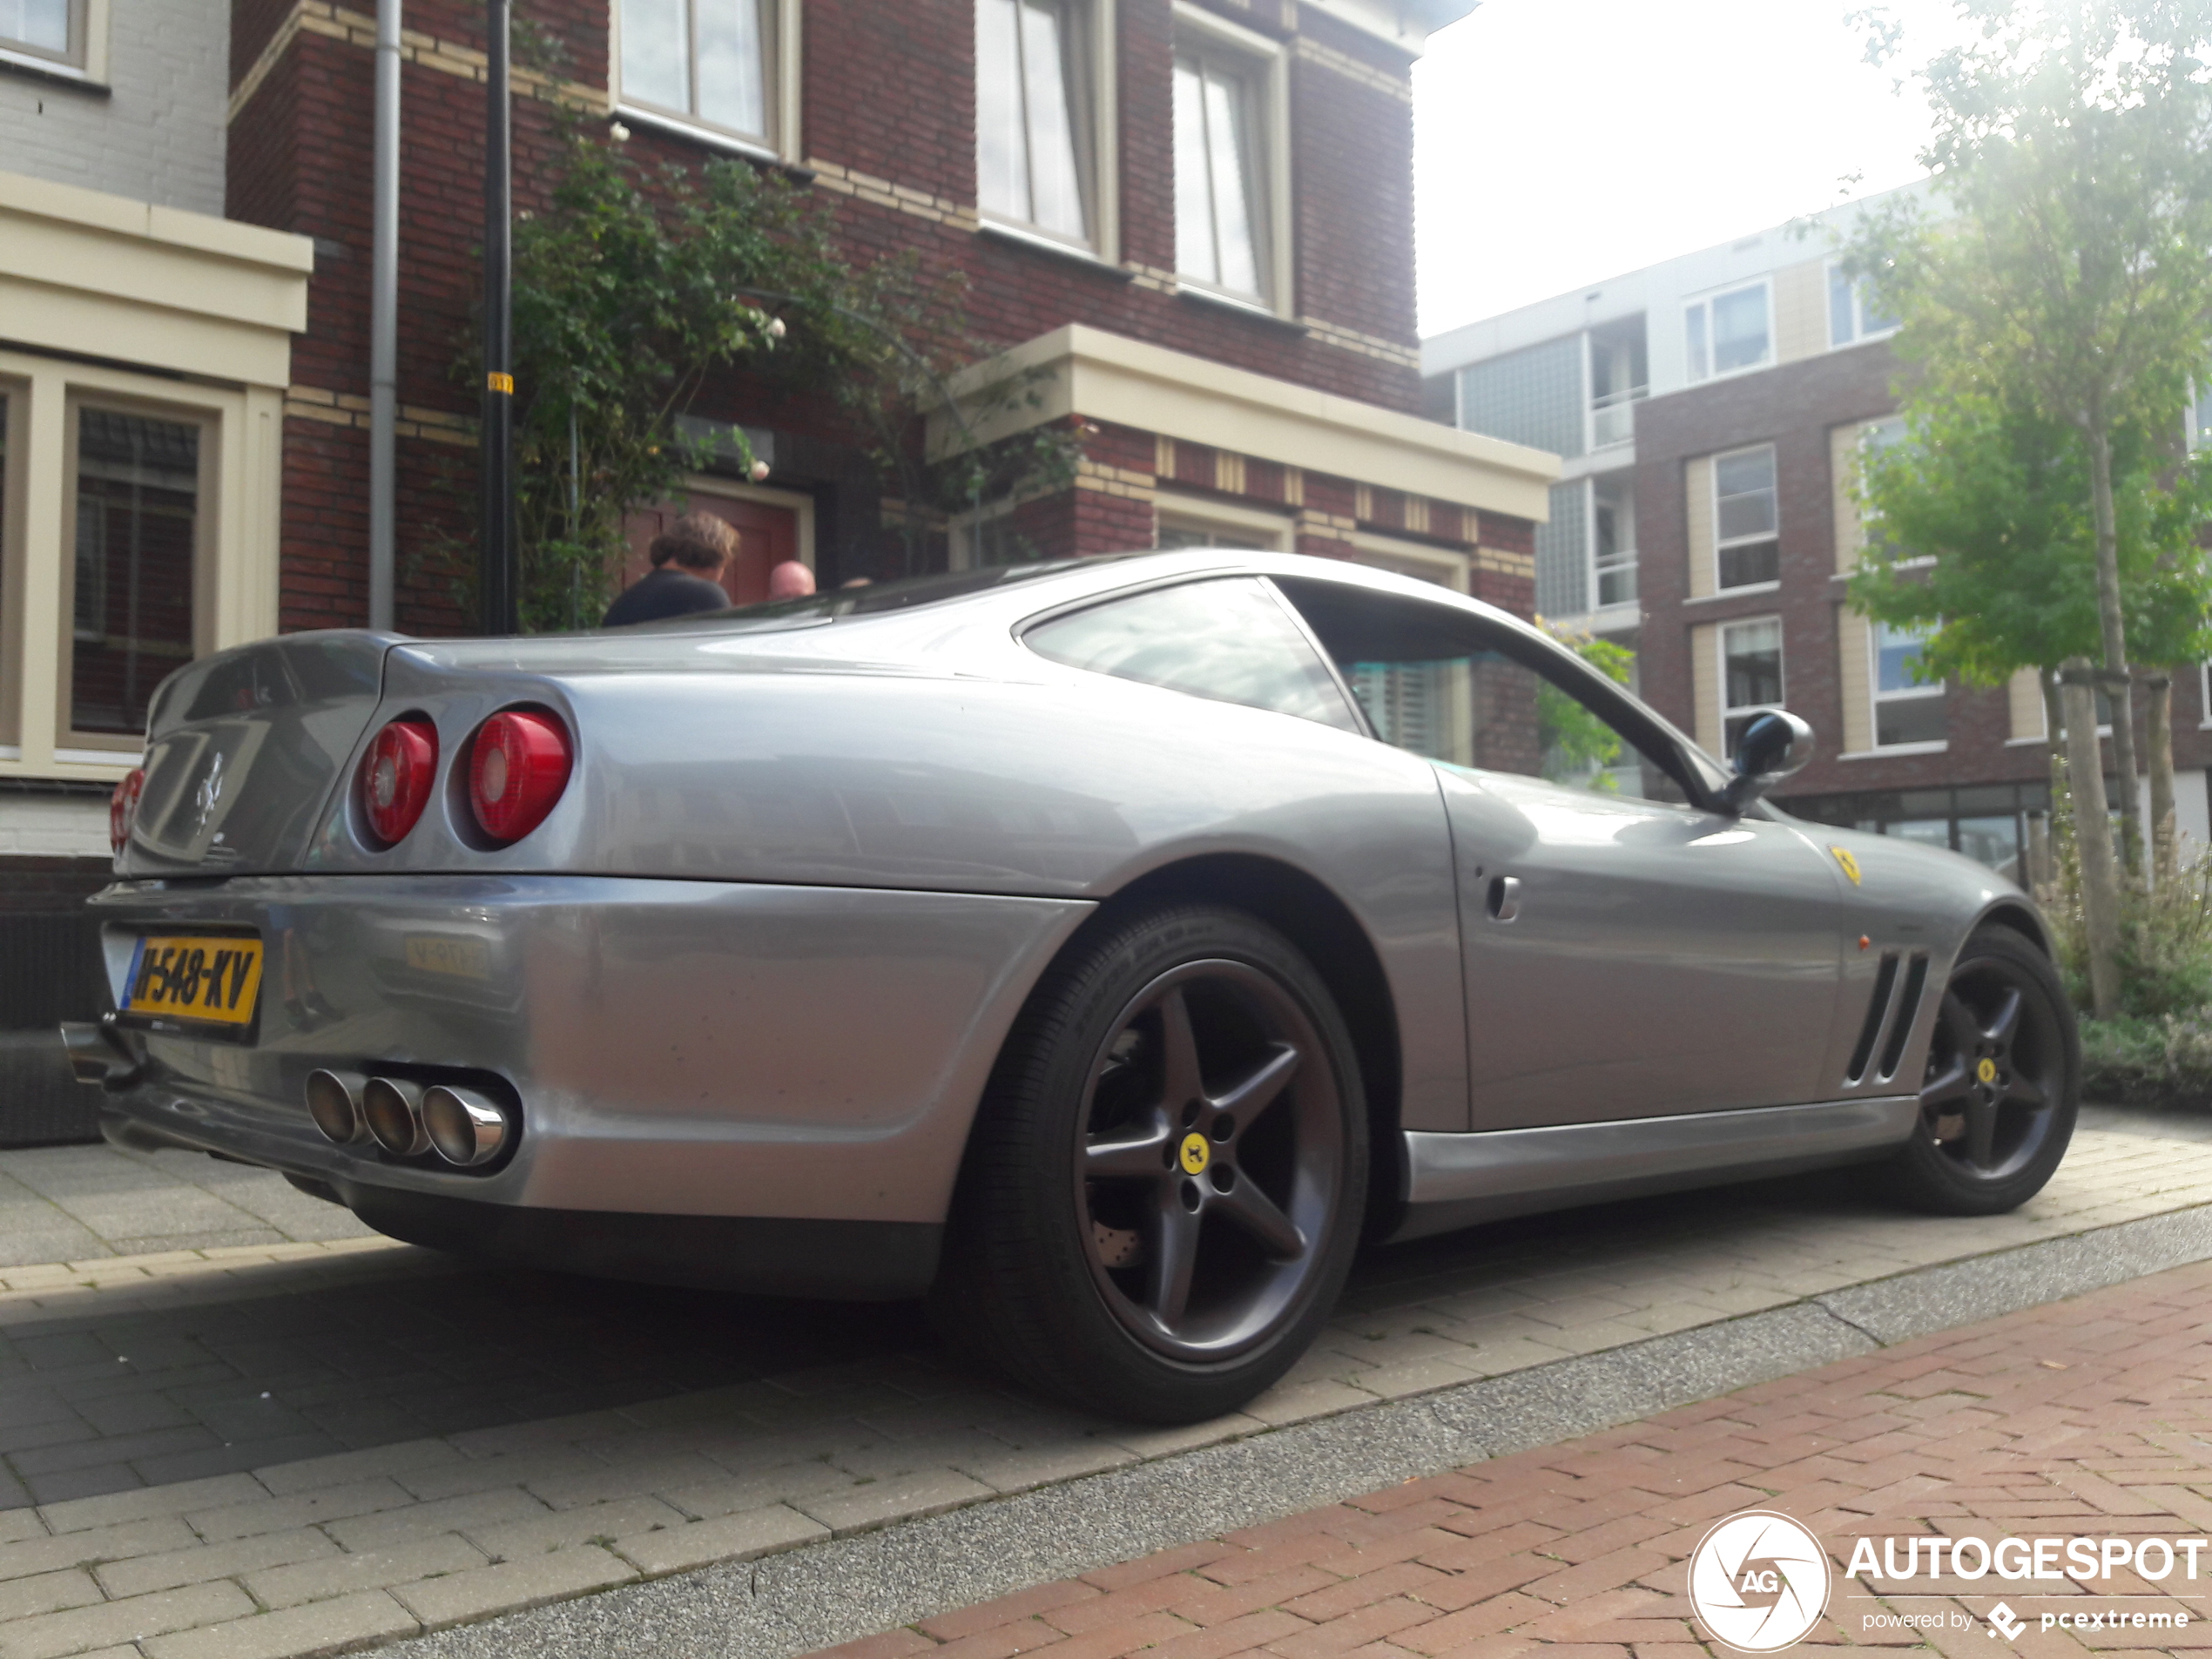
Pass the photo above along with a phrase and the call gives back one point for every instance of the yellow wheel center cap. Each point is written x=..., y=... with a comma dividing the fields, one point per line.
x=1986, y=1071
x=1195, y=1153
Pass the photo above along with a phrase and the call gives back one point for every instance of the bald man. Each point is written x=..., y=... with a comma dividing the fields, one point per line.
x=790, y=580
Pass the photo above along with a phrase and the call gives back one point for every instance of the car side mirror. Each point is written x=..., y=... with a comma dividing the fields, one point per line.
x=1774, y=747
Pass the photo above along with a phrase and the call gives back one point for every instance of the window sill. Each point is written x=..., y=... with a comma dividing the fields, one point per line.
x=676, y=126
x=1044, y=242
x=1898, y=751
x=1734, y=593
x=1186, y=289
x=1730, y=373
x=53, y=74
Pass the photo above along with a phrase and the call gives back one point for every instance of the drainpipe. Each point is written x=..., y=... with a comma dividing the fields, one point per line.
x=384, y=316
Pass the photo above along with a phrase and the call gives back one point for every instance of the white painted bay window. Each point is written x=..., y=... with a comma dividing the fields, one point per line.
x=1036, y=146
x=1231, y=209
x=723, y=66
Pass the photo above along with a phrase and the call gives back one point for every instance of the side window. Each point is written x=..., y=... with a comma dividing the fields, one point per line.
x=1228, y=639
x=1449, y=687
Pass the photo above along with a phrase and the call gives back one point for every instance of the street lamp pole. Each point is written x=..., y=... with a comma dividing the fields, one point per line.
x=496, y=547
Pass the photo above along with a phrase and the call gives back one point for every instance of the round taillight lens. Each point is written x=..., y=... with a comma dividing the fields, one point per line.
x=122, y=808
x=396, y=778
x=517, y=767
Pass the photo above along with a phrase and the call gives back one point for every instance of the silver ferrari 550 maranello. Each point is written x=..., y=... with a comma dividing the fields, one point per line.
x=1101, y=949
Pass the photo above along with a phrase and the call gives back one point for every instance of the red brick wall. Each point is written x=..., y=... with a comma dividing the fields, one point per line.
x=888, y=92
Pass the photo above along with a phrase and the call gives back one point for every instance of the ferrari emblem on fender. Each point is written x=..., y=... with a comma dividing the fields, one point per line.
x=1850, y=864
x=1194, y=1154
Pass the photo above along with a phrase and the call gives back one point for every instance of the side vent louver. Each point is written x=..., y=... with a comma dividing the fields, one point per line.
x=1877, y=1014
x=1908, y=1006
x=1890, y=1017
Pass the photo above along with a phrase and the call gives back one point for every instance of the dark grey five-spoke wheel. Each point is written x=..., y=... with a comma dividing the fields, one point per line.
x=1212, y=1152
x=1165, y=1185
x=2000, y=1093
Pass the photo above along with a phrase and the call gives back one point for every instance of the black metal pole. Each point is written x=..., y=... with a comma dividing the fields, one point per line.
x=495, y=552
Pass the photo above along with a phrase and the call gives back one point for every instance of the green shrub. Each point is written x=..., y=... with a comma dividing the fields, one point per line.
x=2161, y=1062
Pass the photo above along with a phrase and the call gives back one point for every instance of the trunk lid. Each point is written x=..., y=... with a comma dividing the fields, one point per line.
x=243, y=749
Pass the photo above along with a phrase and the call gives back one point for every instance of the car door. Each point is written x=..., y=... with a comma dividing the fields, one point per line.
x=1627, y=952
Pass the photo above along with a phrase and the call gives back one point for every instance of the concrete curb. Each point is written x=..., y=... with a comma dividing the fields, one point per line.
x=818, y=1595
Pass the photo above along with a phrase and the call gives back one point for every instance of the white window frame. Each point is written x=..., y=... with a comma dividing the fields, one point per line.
x=87, y=54
x=1720, y=588
x=1876, y=697
x=2204, y=697
x=781, y=81
x=1860, y=333
x=1267, y=67
x=1630, y=562
x=1105, y=242
x=1203, y=514
x=1705, y=302
x=1729, y=710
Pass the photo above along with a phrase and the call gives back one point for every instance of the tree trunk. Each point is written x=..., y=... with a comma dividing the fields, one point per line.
x=2047, y=871
x=2112, y=623
x=2093, y=835
x=2158, y=737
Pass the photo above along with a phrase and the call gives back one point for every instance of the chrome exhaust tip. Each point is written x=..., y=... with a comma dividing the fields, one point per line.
x=392, y=1107
x=98, y=1053
x=467, y=1126
x=334, y=1101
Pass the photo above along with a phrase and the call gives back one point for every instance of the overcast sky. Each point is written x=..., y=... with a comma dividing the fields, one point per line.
x=1559, y=142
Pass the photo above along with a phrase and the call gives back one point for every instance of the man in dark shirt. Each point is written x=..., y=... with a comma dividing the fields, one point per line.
x=686, y=557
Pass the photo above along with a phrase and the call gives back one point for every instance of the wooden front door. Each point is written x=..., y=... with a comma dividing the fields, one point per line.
x=766, y=536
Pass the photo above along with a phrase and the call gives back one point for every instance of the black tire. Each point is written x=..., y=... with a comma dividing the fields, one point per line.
x=1099, y=1177
x=2002, y=1084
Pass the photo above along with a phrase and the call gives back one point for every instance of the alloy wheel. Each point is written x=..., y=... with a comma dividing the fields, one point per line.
x=1993, y=1070
x=1210, y=1161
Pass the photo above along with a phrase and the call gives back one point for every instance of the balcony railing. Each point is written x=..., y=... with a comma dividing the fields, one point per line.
x=1616, y=578
x=1613, y=417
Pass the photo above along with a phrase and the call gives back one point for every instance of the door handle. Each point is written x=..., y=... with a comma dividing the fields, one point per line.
x=1504, y=897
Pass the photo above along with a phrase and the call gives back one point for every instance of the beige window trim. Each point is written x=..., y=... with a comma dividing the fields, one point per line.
x=782, y=79
x=1269, y=66
x=1415, y=559
x=1204, y=514
x=1101, y=40
x=798, y=501
x=14, y=422
x=86, y=57
x=242, y=463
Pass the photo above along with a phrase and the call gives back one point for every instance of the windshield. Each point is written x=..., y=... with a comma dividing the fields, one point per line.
x=869, y=599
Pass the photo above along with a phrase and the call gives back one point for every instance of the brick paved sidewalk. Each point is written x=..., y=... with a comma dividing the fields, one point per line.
x=2091, y=1417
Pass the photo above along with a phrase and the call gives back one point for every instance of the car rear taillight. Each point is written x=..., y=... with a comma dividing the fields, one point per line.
x=518, y=765
x=396, y=778
x=122, y=808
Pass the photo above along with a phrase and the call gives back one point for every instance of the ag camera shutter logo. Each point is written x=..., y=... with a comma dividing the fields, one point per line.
x=1759, y=1582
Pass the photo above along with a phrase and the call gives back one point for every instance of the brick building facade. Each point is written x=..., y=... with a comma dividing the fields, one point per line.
x=1236, y=426
x=1707, y=517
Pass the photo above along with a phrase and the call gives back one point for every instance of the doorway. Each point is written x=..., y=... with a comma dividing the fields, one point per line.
x=768, y=533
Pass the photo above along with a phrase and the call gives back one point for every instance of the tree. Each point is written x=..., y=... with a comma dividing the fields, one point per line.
x=2069, y=275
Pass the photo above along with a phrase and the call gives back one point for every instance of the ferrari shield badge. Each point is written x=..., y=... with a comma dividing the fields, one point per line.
x=1849, y=864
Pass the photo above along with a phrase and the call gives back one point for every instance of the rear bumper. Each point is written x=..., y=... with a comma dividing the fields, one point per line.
x=682, y=1050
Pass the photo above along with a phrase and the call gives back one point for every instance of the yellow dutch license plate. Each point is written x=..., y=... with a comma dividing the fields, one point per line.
x=214, y=981
x=443, y=953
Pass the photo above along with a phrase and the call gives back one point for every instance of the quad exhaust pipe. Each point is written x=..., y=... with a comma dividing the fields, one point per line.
x=466, y=1126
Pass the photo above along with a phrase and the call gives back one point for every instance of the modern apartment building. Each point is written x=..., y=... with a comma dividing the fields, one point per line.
x=145, y=349
x=1191, y=220
x=1710, y=410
